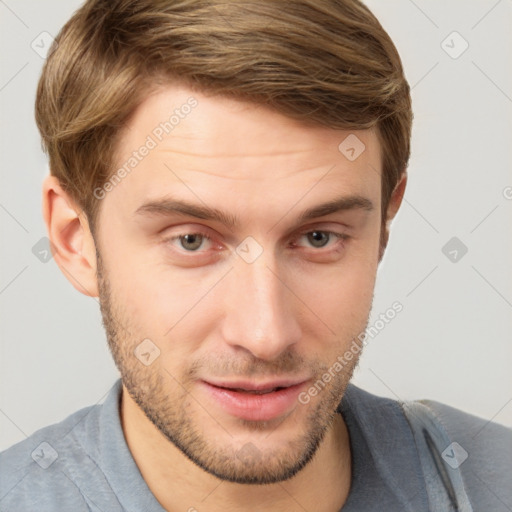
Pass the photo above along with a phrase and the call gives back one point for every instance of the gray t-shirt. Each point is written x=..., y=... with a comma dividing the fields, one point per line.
x=83, y=463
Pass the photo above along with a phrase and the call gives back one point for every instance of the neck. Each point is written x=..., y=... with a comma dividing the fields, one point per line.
x=178, y=484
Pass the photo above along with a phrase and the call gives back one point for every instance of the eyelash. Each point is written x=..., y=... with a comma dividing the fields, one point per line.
x=340, y=236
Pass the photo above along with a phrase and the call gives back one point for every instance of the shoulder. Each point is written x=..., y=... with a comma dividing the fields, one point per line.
x=34, y=469
x=479, y=429
x=484, y=452
x=480, y=432
x=57, y=467
x=480, y=449
x=485, y=442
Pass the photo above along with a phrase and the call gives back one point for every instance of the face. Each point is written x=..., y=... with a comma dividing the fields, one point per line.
x=237, y=262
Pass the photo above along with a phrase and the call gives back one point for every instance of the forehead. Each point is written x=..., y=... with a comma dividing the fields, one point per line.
x=208, y=125
x=219, y=150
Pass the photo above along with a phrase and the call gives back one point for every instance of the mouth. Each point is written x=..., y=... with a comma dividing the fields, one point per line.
x=256, y=391
x=253, y=386
x=254, y=401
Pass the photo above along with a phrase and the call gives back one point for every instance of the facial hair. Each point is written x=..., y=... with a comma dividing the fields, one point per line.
x=168, y=402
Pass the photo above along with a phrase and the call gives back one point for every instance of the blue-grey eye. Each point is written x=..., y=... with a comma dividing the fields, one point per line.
x=318, y=238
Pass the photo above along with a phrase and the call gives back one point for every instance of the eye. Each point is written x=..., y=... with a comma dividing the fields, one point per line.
x=320, y=239
x=199, y=243
x=190, y=242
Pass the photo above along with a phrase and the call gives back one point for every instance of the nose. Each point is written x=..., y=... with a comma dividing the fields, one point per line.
x=259, y=309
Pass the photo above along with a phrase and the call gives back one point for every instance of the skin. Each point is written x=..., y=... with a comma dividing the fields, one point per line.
x=289, y=313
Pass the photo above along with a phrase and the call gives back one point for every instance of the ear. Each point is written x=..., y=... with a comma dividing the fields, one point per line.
x=396, y=199
x=71, y=240
x=394, y=204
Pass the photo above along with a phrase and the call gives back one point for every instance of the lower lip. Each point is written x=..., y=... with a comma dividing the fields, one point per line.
x=252, y=407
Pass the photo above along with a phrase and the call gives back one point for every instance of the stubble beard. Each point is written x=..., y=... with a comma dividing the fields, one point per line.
x=168, y=404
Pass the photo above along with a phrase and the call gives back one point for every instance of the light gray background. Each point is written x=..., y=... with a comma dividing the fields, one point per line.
x=452, y=340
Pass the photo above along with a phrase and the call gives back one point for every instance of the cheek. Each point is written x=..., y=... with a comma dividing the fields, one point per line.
x=343, y=302
x=167, y=305
x=341, y=295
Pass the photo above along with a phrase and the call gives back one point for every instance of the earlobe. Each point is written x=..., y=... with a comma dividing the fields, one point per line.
x=70, y=236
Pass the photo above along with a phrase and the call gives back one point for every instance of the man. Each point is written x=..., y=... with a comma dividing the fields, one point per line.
x=223, y=178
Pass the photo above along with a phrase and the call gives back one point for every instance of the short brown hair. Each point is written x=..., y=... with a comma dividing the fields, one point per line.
x=325, y=62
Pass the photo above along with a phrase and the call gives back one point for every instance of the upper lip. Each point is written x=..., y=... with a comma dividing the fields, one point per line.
x=256, y=386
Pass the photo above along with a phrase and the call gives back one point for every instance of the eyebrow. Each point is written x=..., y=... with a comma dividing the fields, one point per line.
x=166, y=207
